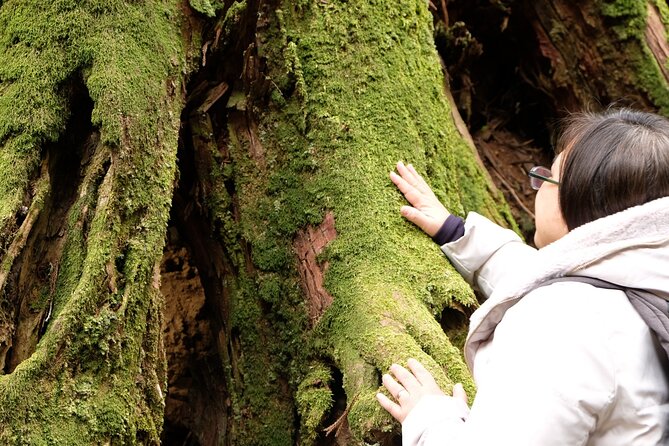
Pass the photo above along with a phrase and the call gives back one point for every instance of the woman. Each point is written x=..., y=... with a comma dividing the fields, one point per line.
x=567, y=363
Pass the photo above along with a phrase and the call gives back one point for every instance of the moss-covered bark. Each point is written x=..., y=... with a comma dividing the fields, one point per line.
x=333, y=94
x=92, y=92
x=314, y=284
x=601, y=51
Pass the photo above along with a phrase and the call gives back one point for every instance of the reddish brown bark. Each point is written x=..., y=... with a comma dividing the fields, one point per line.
x=308, y=244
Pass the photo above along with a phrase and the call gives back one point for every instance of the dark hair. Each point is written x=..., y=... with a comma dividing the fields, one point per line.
x=612, y=161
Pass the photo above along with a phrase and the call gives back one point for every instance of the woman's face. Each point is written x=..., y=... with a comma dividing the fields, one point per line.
x=550, y=225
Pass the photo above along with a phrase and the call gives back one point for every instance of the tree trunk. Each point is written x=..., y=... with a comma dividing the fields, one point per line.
x=603, y=52
x=316, y=282
x=89, y=120
x=290, y=281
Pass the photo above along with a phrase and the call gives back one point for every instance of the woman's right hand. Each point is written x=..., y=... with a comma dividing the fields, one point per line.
x=425, y=211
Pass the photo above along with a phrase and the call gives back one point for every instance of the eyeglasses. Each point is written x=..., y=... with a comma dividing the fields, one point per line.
x=539, y=174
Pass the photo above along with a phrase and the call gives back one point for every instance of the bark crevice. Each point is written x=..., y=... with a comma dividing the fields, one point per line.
x=30, y=284
x=199, y=342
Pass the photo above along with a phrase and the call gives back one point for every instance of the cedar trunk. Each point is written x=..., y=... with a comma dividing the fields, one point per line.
x=200, y=243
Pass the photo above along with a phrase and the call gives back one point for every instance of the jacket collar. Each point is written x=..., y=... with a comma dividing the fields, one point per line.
x=630, y=248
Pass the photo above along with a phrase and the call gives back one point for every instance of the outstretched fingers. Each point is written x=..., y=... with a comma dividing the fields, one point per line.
x=425, y=210
x=411, y=176
x=404, y=392
x=407, y=388
x=407, y=173
x=423, y=376
x=393, y=409
x=420, y=182
x=405, y=378
x=403, y=185
x=412, y=195
x=391, y=385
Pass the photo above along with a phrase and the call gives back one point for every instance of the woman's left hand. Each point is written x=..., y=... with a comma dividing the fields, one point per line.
x=412, y=386
x=426, y=211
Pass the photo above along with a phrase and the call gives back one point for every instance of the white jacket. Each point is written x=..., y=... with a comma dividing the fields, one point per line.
x=567, y=363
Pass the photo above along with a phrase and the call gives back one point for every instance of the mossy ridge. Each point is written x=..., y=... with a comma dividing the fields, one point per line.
x=45, y=44
x=266, y=318
x=129, y=57
x=360, y=87
x=268, y=313
x=387, y=327
x=629, y=24
x=92, y=338
x=313, y=400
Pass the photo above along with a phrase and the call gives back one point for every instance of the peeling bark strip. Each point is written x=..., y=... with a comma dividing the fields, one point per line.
x=308, y=244
x=656, y=37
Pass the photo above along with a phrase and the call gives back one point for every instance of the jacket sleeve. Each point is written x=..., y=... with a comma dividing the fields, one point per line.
x=434, y=420
x=487, y=253
x=551, y=373
x=547, y=383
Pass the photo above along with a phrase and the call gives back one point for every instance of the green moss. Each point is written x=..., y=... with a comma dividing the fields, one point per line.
x=261, y=406
x=94, y=375
x=627, y=19
x=40, y=193
x=19, y=168
x=204, y=7
x=233, y=16
x=622, y=8
x=314, y=401
x=87, y=409
x=265, y=311
x=358, y=87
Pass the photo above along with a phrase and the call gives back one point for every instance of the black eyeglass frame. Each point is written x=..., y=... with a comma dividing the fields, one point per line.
x=533, y=174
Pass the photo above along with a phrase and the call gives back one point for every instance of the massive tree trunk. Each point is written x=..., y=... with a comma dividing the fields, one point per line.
x=290, y=281
x=316, y=283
